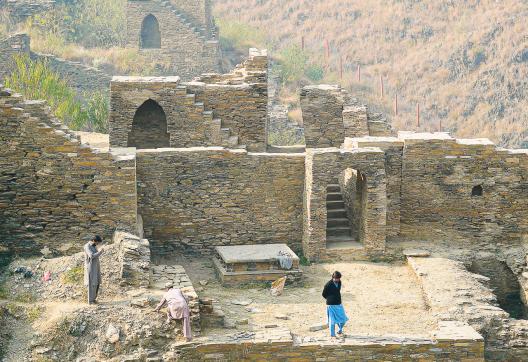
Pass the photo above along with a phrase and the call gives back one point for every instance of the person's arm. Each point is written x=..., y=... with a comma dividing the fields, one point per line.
x=325, y=291
x=161, y=304
x=91, y=254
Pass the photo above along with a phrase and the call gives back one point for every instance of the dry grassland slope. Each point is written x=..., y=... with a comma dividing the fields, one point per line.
x=464, y=61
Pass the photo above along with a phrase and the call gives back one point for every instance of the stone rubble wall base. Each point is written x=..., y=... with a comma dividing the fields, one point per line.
x=134, y=257
x=454, y=342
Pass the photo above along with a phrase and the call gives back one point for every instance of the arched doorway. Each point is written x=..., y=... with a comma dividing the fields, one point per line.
x=149, y=127
x=150, y=33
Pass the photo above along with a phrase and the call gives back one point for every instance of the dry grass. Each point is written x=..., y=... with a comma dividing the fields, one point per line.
x=461, y=60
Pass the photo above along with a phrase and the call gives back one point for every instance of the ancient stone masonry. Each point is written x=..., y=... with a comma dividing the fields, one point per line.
x=330, y=114
x=82, y=78
x=322, y=166
x=194, y=199
x=453, y=342
x=214, y=110
x=20, y=10
x=439, y=175
x=9, y=47
x=54, y=191
x=134, y=258
x=180, y=33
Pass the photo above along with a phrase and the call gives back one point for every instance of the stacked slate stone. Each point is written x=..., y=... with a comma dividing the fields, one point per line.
x=54, y=191
x=134, y=257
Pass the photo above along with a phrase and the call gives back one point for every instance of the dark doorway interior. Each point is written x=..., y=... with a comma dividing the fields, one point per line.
x=149, y=127
x=150, y=33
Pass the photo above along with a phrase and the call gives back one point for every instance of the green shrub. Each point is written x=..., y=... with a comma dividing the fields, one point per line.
x=73, y=276
x=314, y=72
x=292, y=64
x=35, y=80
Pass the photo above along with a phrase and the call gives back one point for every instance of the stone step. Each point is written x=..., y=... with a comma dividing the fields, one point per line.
x=338, y=231
x=336, y=213
x=334, y=196
x=335, y=204
x=343, y=245
x=225, y=133
x=331, y=222
x=333, y=188
x=232, y=141
x=340, y=239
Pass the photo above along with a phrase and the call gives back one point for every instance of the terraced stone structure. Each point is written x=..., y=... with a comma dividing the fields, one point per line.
x=189, y=168
x=179, y=33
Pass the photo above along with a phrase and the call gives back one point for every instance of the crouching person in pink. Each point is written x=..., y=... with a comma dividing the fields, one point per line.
x=177, y=308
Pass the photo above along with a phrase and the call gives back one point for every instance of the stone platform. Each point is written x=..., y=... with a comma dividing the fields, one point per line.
x=244, y=264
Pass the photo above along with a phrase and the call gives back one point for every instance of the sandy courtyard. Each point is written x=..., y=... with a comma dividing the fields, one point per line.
x=380, y=299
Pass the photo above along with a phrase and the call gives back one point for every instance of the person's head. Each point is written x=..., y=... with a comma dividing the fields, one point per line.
x=169, y=285
x=97, y=240
x=336, y=276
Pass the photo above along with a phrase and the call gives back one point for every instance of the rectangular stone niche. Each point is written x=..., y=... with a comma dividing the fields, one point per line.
x=246, y=264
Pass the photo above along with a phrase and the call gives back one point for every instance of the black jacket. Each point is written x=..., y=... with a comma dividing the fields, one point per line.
x=332, y=294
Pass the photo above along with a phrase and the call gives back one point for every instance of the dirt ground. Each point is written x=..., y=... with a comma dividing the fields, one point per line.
x=380, y=299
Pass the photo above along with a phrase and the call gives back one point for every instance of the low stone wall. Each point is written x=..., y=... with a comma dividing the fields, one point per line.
x=453, y=342
x=17, y=44
x=82, y=78
x=195, y=199
x=54, y=191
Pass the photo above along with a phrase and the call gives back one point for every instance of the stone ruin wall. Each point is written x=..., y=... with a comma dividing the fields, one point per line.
x=237, y=99
x=194, y=199
x=331, y=114
x=55, y=192
x=184, y=49
x=82, y=78
x=438, y=175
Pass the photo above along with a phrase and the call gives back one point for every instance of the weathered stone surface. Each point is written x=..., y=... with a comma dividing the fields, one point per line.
x=189, y=43
x=55, y=191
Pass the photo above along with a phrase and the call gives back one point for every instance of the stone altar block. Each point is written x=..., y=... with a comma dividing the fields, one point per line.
x=243, y=264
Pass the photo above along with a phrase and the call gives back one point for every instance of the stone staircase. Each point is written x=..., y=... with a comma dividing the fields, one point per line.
x=200, y=31
x=338, y=231
x=217, y=133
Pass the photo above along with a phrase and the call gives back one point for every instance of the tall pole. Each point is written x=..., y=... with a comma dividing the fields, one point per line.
x=418, y=114
x=327, y=48
x=359, y=73
x=382, y=90
x=341, y=67
x=302, y=42
x=396, y=104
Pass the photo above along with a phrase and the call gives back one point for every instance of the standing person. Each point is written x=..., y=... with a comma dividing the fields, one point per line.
x=334, y=308
x=177, y=308
x=92, y=268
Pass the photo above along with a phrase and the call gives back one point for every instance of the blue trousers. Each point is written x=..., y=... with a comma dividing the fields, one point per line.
x=332, y=328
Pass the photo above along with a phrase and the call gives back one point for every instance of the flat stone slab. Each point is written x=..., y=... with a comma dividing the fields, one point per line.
x=418, y=253
x=253, y=253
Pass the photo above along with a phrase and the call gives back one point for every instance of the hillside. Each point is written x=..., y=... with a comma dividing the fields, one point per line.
x=464, y=62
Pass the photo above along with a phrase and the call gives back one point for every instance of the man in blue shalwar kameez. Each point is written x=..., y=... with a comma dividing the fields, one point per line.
x=334, y=307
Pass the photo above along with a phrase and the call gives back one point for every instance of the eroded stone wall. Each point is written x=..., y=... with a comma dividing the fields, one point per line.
x=17, y=44
x=54, y=191
x=438, y=176
x=195, y=199
x=188, y=46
